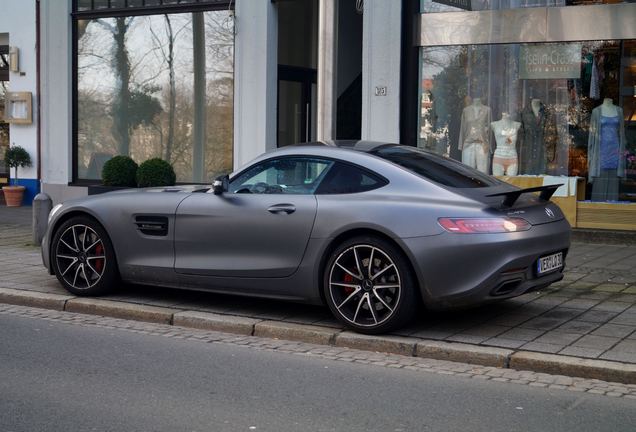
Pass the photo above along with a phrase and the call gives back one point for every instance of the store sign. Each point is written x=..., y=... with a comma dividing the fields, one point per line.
x=550, y=61
x=461, y=4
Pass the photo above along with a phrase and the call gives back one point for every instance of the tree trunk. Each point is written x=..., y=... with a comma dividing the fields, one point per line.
x=172, y=93
x=121, y=105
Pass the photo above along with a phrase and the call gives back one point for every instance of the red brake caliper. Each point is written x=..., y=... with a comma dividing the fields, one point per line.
x=348, y=279
x=99, y=263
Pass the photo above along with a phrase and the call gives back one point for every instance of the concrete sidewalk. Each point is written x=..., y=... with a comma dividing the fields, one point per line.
x=589, y=318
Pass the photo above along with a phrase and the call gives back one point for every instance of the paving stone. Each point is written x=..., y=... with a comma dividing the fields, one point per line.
x=610, y=288
x=596, y=342
x=504, y=343
x=485, y=356
x=295, y=332
x=389, y=344
x=522, y=334
x=542, y=347
x=626, y=318
x=613, y=330
x=597, y=316
x=620, y=356
x=559, y=338
x=542, y=323
x=627, y=346
x=581, y=352
x=580, y=303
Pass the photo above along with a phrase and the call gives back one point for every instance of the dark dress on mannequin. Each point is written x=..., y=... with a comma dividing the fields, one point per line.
x=532, y=158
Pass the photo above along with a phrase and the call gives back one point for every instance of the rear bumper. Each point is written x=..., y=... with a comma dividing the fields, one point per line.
x=456, y=270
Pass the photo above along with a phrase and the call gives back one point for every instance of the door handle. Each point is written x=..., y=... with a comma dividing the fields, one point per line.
x=282, y=208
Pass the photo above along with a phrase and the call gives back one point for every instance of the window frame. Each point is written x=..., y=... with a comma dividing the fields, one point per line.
x=78, y=15
x=334, y=161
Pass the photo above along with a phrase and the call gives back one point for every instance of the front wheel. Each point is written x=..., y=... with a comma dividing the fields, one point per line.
x=83, y=258
x=369, y=285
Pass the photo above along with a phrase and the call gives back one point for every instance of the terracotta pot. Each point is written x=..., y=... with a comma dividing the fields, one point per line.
x=13, y=195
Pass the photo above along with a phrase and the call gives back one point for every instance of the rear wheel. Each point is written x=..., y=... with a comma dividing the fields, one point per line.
x=369, y=285
x=83, y=258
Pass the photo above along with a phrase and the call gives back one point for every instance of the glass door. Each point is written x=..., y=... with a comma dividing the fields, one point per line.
x=296, y=105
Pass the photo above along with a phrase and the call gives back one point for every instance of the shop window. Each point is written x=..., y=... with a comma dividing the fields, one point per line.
x=154, y=86
x=542, y=110
x=433, y=6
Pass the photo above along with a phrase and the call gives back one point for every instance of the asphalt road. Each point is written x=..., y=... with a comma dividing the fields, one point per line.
x=58, y=376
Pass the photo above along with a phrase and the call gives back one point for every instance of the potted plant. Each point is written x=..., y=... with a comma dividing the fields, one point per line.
x=15, y=157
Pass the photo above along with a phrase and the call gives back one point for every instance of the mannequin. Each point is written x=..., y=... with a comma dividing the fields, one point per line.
x=605, y=149
x=474, y=135
x=532, y=152
x=505, y=160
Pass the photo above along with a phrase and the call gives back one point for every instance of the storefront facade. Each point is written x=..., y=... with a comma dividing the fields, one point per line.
x=535, y=93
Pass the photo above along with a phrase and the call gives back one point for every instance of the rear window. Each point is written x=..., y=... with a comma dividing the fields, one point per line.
x=435, y=168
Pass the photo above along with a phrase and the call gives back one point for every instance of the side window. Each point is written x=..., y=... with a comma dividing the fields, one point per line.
x=344, y=179
x=292, y=175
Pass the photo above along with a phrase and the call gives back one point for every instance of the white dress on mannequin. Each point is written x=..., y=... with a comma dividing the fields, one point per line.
x=474, y=135
x=505, y=159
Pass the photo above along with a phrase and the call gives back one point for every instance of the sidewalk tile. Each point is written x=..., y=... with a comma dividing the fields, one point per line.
x=556, y=337
x=580, y=327
x=596, y=342
x=613, y=330
x=542, y=347
x=581, y=352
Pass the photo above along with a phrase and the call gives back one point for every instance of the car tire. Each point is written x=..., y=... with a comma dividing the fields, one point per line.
x=83, y=258
x=369, y=285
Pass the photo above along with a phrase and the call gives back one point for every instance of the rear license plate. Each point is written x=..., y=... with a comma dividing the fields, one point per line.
x=550, y=263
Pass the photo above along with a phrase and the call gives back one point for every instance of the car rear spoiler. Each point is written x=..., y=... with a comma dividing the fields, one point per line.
x=511, y=197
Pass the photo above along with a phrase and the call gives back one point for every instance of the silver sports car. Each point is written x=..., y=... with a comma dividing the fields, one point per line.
x=373, y=230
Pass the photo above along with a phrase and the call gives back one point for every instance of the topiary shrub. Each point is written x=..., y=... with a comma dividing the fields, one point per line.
x=120, y=171
x=155, y=172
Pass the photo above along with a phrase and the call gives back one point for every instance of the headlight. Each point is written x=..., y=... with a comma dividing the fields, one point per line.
x=53, y=211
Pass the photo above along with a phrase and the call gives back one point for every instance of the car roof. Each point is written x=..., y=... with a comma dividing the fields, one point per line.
x=359, y=145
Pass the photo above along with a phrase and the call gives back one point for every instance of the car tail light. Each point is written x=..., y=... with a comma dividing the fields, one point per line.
x=484, y=225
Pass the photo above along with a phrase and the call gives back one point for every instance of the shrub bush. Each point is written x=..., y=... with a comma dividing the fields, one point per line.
x=120, y=171
x=17, y=157
x=155, y=172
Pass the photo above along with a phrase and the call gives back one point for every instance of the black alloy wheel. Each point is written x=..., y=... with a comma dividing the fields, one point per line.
x=82, y=257
x=369, y=285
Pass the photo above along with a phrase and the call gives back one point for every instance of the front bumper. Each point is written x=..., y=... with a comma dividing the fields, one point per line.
x=456, y=270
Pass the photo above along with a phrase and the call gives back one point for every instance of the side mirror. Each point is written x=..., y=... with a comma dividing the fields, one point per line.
x=221, y=184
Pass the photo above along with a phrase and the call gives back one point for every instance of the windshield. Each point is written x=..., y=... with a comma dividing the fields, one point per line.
x=435, y=168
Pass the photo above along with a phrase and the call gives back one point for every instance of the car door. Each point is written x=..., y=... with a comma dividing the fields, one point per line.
x=259, y=228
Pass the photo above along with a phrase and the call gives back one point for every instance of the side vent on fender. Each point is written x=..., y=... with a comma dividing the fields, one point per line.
x=152, y=225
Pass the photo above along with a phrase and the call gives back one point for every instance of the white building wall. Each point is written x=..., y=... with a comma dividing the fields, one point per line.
x=381, y=49
x=18, y=25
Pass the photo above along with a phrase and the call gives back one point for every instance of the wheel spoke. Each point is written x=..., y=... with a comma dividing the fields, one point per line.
x=88, y=283
x=381, y=286
x=95, y=257
x=346, y=285
x=357, y=259
x=92, y=269
x=75, y=277
x=348, y=271
x=381, y=300
x=359, y=306
x=371, y=308
x=92, y=245
x=349, y=297
x=67, y=257
x=84, y=238
x=74, y=238
x=69, y=267
x=369, y=268
x=382, y=271
x=69, y=246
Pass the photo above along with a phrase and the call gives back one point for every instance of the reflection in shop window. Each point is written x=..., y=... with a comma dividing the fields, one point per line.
x=557, y=109
x=156, y=86
x=433, y=6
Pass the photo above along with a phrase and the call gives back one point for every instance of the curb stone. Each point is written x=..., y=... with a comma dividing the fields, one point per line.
x=123, y=310
x=215, y=322
x=34, y=299
x=459, y=352
x=388, y=344
x=465, y=353
x=574, y=366
x=296, y=332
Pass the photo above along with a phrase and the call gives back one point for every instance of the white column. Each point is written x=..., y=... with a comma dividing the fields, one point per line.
x=255, y=79
x=381, y=48
x=327, y=67
x=56, y=91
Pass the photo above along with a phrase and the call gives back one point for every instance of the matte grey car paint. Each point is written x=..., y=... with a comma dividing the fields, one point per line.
x=233, y=244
